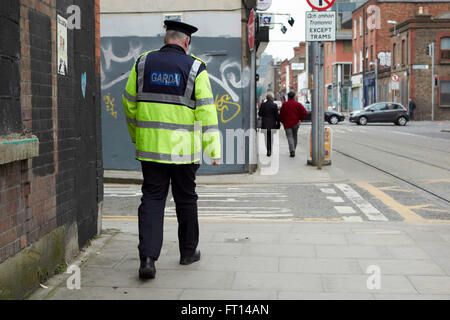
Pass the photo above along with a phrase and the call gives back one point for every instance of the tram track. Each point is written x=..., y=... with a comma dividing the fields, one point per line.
x=393, y=175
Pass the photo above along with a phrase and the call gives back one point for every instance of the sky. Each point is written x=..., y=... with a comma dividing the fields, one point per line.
x=281, y=45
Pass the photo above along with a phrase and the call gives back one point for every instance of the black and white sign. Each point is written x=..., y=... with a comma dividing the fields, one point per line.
x=321, y=26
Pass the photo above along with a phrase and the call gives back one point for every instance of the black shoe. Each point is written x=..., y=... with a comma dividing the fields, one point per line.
x=292, y=154
x=269, y=153
x=147, y=269
x=190, y=260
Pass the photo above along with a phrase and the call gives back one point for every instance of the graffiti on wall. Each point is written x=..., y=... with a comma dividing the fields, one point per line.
x=229, y=83
x=110, y=105
x=229, y=77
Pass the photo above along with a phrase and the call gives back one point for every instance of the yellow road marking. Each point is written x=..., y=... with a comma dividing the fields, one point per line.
x=404, y=211
x=426, y=207
x=431, y=181
x=395, y=188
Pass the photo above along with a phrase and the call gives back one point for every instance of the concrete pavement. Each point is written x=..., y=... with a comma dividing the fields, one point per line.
x=269, y=261
x=282, y=255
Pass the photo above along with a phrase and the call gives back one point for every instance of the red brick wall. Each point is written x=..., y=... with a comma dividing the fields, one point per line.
x=28, y=200
x=396, y=11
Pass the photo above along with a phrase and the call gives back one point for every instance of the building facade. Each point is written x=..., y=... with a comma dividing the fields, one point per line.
x=128, y=31
x=413, y=66
x=372, y=51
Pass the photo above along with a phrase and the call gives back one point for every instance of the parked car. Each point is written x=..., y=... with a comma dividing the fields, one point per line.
x=332, y=117
x=381, y=112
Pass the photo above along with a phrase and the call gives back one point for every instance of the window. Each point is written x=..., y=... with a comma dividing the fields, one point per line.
x=355, y=29
x=360, y=26
x=445, y=48
x=347, y=72
x=403, y=52
x=394, y=55
x=328, y=73
x=334, y=47
x=445, y=92
x=348, y=47
x=371, y=53
x=355, y=63
x=361, y=61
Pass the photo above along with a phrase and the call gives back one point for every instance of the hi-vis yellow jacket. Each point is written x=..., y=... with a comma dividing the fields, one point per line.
x=170, y=109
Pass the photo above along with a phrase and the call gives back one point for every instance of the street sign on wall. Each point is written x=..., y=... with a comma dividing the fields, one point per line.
x=266, y=20
x=251, y=30
x=298, y=66
x=320, y=5
x=264, y=5
x=320, y=26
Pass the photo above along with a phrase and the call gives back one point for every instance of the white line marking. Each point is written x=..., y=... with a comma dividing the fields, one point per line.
x=345, y=210
x=328, y=191
x=353, y=219
x=370, y=211
x=336, y=199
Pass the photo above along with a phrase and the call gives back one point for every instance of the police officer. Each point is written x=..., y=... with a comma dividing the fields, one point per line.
x=172, y=118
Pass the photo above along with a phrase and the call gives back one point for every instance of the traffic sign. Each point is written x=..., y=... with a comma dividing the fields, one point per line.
x=320, y=26
x=321, y=5
x=395, y=77
x=264, y=5
x=251, y=30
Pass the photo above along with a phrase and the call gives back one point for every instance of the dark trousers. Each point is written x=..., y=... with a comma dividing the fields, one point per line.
x=268, y=133
x=292, y=137
x=157, y=178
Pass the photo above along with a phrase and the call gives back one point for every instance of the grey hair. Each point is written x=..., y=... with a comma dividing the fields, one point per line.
x=269, y=96
x=174, y=35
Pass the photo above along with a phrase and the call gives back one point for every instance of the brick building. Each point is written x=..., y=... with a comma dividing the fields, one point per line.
x=414, y=67
x=51, y=169
x=292, y=69
x=372, y=24
x=285, y=77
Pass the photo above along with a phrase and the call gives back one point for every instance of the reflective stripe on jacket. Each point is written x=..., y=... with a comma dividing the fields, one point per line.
x=170, y=110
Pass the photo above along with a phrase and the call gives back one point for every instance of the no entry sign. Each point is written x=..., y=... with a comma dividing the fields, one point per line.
x=321, y=5
x=251, y=30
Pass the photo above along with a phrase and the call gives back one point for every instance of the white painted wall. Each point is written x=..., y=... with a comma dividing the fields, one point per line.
x=210, y=24
x=108, y=6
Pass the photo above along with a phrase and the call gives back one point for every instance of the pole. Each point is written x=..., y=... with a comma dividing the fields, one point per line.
x=320, y=111
x=315, y=106
x=253, y=144
x=432, y=82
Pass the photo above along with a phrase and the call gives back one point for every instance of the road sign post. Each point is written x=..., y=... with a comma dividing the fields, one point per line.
x=251, y=43
x=320, y=26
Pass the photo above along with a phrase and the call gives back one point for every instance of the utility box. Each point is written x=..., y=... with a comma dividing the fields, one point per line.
x=328, y=147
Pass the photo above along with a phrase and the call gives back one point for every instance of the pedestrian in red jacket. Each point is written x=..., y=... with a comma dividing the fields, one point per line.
x=291, y=115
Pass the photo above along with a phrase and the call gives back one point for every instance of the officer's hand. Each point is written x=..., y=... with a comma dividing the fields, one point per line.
x=216, y=163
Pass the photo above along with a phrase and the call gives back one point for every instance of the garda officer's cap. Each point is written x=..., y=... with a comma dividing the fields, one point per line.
x=181, y=27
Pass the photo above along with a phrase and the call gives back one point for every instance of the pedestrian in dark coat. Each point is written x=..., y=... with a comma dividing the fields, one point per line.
x=291, y=115
x=270, y=120
x=412, y=108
